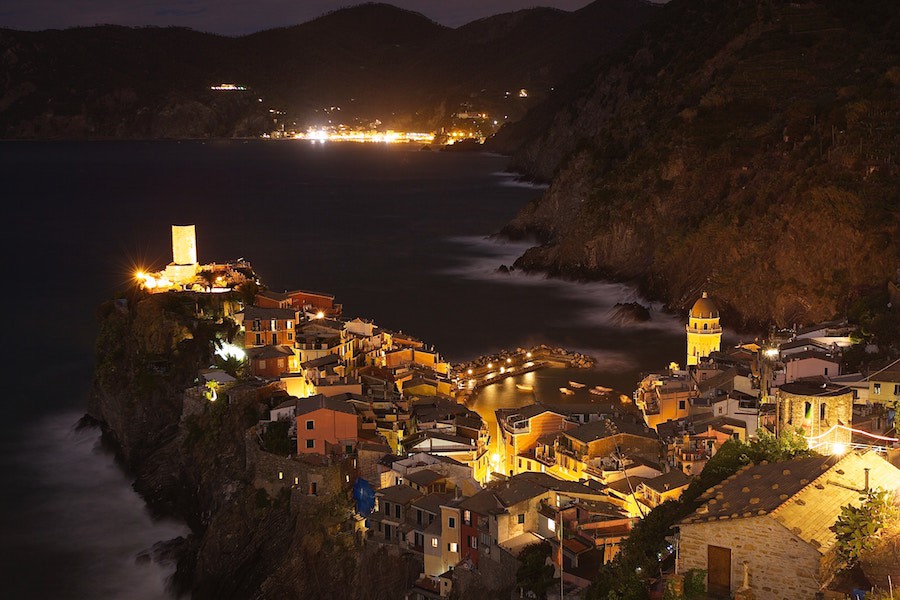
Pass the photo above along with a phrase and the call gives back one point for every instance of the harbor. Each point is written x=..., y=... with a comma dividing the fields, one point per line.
x=472, y=376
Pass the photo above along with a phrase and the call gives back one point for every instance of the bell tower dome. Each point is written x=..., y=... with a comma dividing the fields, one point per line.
x=704, y=334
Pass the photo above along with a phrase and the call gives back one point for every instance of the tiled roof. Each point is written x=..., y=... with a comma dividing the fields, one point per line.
x=805, y=388
x=266, y=352
x=423, y=476
x=805, y=495
x=674, y=479
x=399, y=493
x=258, y=312
x=432, y=502
x=604, y=428
x=313, y=403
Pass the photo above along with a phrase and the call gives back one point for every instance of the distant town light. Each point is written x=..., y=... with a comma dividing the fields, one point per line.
x=469, y=371
x=771, y=352
x=490, y=365
x=320, y=315
x=528, y=355
x=508, y=360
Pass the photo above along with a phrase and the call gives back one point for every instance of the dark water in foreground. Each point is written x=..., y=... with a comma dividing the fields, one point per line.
x=397, y=234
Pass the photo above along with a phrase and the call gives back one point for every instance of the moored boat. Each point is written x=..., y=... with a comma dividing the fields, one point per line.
x=566, y=391
x=576, y=384
x=600, y=390
x=525, y=387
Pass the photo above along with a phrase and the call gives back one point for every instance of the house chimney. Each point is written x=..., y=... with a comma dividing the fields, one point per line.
x=866, y=488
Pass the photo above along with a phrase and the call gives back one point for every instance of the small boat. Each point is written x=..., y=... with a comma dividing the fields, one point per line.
x=525, y=387
x=600, y=390
x=566, y=391
x=576, y=385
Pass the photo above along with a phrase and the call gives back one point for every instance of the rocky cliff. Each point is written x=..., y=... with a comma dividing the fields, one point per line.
x=748, y=148
x=253, y=533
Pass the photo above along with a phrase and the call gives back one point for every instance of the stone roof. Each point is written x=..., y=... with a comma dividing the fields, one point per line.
x=432, y=502
x=402, y=493
x=423, y=477
x=604, y=428
x=805, y=495
x=806, y=388
x=667, y=482
x=323, y=361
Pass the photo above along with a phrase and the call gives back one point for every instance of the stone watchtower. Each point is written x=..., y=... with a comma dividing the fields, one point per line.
x=704, y=334
x=183, y=267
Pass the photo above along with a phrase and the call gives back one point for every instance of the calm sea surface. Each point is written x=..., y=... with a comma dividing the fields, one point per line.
x=397, y=234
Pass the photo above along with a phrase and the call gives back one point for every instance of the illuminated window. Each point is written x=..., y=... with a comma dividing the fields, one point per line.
x=434, y=542
x=280, y=474
x=877, y=388
x=453, y=547
x=551, y=524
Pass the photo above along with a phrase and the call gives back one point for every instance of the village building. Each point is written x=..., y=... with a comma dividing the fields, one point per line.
x=325, y=426
x=822, y=411
x=765, y=532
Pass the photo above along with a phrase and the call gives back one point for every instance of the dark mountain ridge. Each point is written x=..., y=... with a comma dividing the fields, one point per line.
x=746, y=148
x=372, y=61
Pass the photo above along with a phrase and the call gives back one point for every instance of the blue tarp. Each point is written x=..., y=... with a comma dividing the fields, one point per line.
x=364, y=496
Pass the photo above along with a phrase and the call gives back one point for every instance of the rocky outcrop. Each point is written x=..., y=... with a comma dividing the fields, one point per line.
x=748, y=149
x=253, y=533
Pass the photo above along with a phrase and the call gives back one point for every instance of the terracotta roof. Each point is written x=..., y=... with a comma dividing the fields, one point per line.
x=432, y=502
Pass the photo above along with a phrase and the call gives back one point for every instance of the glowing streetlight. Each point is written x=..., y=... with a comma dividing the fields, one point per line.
x=320, y=315
x=838, y=448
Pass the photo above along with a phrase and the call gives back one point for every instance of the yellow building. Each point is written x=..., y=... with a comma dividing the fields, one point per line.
x=704, y=334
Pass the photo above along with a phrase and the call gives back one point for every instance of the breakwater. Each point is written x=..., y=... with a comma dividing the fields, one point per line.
x=485, y=370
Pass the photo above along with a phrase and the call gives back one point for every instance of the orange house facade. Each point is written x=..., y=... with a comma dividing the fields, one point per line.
x=521, y=428
x=325, y=426
x=267, y=326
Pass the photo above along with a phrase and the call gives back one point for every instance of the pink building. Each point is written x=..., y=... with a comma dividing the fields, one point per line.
x=805, y=365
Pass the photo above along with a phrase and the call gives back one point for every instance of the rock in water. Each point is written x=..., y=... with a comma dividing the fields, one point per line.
x=503, y=269
x=624, y=313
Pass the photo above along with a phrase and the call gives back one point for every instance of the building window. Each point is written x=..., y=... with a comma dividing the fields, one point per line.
x=897, y=389
x=272, y=325
x=397, y=510
x=467, y=517
x=310, y=444
x=419, y=539
x=258, y=339
x=551, y=524
x=451, y=522
x=521, y=518
x=290, y=324
x=681, y=405
x=473, y=542
x=310, y=425
x=822, y=412
x=313, y=488
x=520, y=464
x=387, y=508
x=453, y=547
x=877, y=388
x=434, y=542
x=418, y=516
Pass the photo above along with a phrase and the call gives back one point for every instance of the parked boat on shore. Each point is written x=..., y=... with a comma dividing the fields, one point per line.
x=575, y=384
x=525, y=387
x=566, y=391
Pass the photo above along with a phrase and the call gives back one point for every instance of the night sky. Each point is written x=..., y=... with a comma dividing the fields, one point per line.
x=234, y=17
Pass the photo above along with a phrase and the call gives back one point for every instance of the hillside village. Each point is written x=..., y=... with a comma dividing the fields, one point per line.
x=378, y=416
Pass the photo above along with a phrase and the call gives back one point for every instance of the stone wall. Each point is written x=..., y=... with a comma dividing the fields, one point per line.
x=781, y=566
